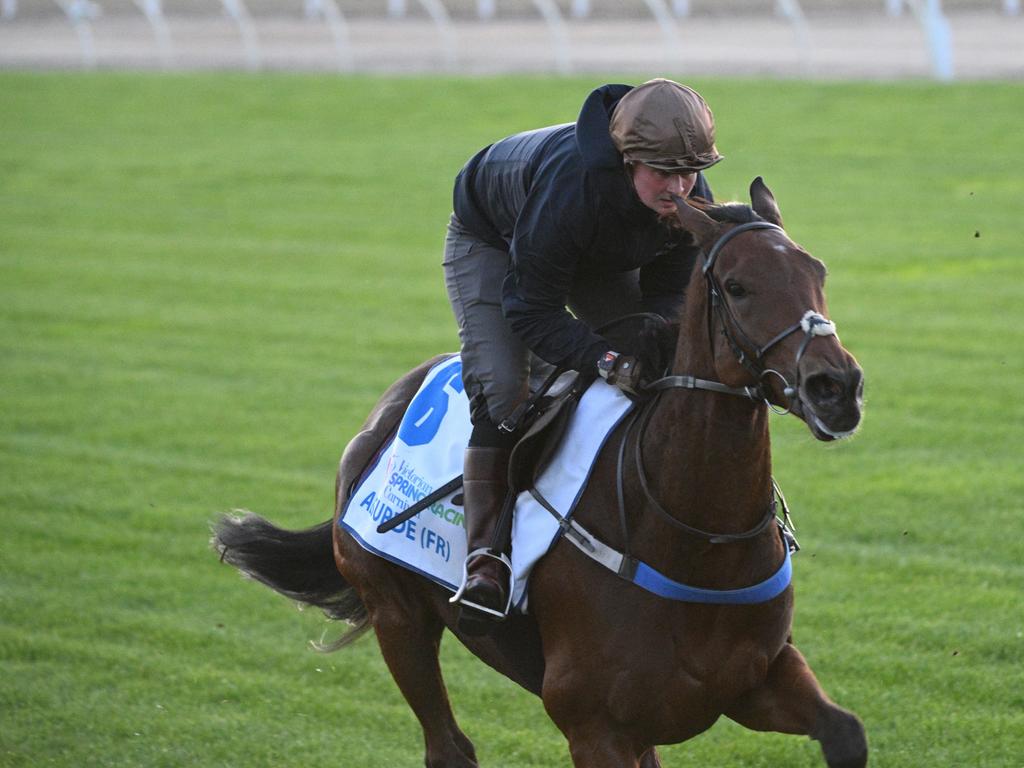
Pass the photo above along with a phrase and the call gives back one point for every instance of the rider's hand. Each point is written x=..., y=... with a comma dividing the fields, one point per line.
x=622, y=371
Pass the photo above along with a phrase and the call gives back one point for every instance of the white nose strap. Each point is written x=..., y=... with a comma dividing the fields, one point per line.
x=814, y=324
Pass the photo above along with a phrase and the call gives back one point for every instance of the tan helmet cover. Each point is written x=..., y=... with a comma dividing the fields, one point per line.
x=665, y=125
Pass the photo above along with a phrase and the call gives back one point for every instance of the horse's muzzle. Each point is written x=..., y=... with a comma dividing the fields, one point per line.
x=831, y=401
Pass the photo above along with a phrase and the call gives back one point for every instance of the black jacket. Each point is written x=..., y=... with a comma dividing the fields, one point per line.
x=558, y=199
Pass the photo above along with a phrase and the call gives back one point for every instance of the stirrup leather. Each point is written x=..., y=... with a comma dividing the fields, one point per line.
x=458, y=596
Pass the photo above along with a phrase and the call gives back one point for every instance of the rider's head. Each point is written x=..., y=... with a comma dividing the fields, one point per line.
x=666, y=126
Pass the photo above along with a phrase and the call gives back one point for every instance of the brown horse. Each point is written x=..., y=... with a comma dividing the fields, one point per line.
x=684, y=489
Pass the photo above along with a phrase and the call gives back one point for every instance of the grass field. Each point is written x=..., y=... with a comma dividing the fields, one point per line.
x=205, y=281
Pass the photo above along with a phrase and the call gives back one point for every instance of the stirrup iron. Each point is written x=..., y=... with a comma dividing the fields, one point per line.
x=458, y=596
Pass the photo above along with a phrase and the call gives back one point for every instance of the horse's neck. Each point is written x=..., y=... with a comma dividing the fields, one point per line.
x=712, y=451
x=713, y=456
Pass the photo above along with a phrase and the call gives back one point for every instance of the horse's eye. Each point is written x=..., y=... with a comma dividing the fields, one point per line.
x=735, y=290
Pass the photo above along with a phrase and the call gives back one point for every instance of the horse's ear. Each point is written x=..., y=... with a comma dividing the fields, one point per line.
x=697, y=223
x=763, y=202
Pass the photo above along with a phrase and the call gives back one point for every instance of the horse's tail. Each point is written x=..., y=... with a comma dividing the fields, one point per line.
x=298, y=564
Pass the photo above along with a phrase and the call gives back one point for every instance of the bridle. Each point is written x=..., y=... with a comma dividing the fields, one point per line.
x=623, y=563
x=812, y=324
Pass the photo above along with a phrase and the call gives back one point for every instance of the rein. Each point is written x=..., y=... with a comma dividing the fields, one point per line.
x=639, y=421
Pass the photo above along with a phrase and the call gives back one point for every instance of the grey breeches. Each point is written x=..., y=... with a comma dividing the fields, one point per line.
x=496, y=365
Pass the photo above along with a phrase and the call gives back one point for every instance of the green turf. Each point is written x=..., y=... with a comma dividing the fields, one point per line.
x=206, y=280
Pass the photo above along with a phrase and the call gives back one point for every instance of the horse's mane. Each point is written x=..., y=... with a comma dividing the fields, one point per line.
x=732, y=212
x=656, y=346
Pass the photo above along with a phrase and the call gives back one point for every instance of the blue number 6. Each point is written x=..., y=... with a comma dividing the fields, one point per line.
x=427, y=410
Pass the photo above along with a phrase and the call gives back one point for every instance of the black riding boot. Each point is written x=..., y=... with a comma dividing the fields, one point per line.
x=484, y=596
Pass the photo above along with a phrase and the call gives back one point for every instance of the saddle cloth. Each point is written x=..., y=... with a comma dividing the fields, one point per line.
x=427, y=451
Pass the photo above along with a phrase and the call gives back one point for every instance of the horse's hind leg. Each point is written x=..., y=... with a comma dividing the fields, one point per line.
x=410, y=637
x=398, y=604
x=791, y=701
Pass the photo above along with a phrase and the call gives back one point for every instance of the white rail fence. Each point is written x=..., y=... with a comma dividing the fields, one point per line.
x=670, y=17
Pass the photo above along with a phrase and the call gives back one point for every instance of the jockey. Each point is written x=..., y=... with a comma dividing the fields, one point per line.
x=569, y=217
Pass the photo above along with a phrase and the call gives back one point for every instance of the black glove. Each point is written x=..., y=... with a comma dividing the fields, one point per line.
x=622, y=371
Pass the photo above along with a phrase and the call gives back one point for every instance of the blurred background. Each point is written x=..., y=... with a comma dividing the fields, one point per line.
x=825, y=39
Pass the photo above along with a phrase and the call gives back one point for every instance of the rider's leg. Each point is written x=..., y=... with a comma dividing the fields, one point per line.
x=495, y=372
x=484, y=488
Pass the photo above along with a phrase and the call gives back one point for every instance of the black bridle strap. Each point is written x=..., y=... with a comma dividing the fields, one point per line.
x=812, y=323
x=717, y=303
x=712, y=256
x=762, y=351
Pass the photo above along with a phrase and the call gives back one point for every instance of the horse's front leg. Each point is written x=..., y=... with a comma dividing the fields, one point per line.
x=792, y=701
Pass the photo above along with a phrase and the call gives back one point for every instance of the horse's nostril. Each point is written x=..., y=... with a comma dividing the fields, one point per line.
x=824, y=388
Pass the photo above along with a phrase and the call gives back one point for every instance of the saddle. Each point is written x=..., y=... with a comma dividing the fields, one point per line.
x=546, y=413
x=542, y=420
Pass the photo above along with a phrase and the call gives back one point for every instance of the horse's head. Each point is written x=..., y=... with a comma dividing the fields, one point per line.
x=766, y=316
